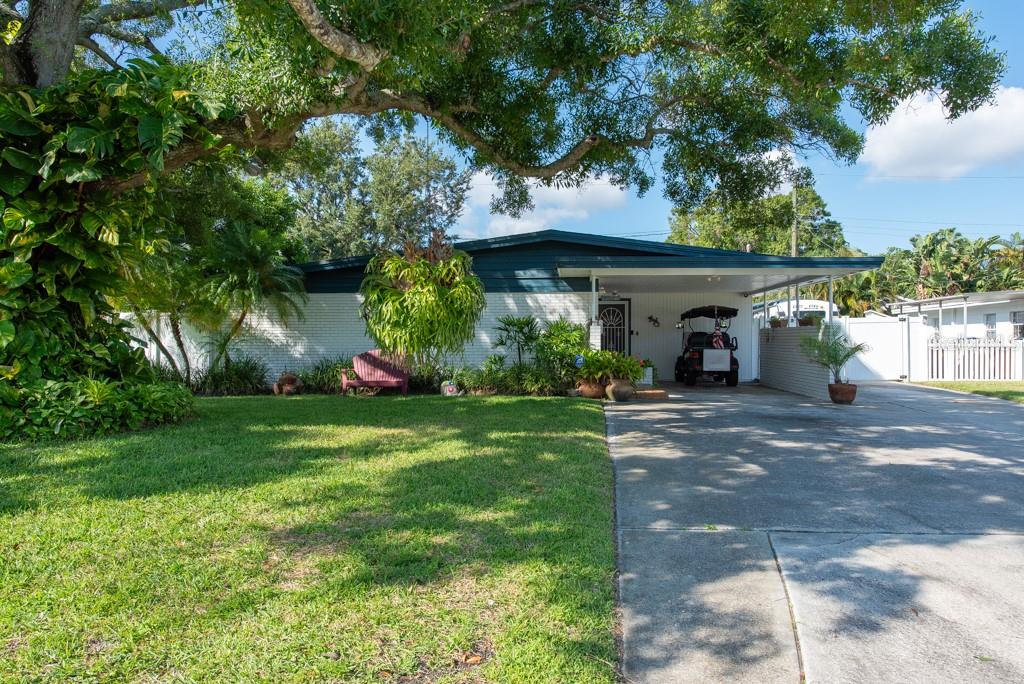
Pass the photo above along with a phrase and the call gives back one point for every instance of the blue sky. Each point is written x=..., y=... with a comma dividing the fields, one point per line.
x=917, y=174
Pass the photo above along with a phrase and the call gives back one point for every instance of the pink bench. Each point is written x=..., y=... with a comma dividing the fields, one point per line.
x=373, y=369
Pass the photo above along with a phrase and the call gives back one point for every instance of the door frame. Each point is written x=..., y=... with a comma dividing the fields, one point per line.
x=628, y=304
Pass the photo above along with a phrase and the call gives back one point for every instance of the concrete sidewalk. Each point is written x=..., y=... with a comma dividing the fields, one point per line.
x=760, y=532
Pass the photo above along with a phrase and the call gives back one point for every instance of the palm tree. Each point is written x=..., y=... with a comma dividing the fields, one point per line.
x=249, y=274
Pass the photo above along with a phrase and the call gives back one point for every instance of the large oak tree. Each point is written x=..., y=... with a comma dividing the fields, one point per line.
x=555, y=90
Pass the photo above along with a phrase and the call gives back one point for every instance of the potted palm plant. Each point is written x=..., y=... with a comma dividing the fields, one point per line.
x=833, y=349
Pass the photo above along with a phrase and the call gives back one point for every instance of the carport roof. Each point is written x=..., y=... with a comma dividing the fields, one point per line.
x=741, y=272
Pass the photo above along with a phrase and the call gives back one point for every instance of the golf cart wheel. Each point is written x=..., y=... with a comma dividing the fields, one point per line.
x=690, y=379
x=733, y=378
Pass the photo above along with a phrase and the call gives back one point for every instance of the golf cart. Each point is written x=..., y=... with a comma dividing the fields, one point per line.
x=709, y=354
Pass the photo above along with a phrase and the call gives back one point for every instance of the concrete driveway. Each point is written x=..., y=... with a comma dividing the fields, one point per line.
x=762, y=535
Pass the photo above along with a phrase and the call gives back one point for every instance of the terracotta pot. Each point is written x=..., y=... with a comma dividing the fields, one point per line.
x=777, y=324
x=842, y=392
x=287, y=384
x=592, y=390
x=619, y=390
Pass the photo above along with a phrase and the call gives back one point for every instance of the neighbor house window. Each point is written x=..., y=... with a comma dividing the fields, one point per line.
x=1017, y=318
x=990, y=326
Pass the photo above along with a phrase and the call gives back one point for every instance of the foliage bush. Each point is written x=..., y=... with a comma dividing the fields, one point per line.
x=557, y=348
x=601, y=366
x=423, y=304
x=64, y=410
x=324, y=376
x=244, y=375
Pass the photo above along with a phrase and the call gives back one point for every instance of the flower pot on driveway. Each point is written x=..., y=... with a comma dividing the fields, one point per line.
x=842, y=392
x=592, y=390
x=620, y=390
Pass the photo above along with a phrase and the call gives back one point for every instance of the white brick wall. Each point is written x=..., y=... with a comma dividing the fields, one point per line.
x=784, y=366
x=332, y=327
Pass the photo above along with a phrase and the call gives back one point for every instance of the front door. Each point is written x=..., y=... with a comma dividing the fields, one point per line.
x=614, y=317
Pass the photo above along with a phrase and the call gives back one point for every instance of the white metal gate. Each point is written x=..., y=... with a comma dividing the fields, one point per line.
x=965, y=359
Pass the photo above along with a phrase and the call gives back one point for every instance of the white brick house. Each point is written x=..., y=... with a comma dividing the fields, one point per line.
x=637, y=289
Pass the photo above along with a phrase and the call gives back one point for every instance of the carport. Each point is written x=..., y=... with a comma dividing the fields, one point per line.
x=635, y=301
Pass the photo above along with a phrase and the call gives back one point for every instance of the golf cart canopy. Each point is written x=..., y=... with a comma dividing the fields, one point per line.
x=710, y=311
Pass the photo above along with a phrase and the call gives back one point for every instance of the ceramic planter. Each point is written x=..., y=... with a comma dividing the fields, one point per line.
x=592, y=390
x=842, y=392
x=619, y=390
x=287, y=384
x=648, y=377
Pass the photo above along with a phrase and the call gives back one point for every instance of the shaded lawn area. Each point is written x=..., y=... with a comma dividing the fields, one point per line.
x=1011, y=391
x=316, y=538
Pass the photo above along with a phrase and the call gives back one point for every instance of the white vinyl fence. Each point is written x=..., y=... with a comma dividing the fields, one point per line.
x=970, y=359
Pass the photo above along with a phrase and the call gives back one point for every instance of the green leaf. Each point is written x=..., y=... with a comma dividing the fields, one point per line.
x=88, y=140
x=20, y=160
x=151, y=132
x=16, y=125
x=15, y=274
x=14, y=183
x=92, y=223
x=77, y=172
x=7, y=331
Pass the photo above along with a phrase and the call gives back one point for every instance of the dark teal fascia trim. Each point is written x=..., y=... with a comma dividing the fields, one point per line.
x=739, y=260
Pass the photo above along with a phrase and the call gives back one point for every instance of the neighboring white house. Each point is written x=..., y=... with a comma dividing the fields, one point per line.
x=974, y=315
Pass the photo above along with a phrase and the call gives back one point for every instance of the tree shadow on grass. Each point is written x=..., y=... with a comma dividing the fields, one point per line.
x=390, y=495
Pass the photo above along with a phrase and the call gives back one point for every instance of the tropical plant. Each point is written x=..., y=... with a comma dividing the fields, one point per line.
x=558, y=347
x=324, y=376
x=245, y=375
x=598, y=366
x=249, y=274
x=832, y=349
x=423, y=304
x=518, y=333
x=84, y=407
x=624, y=367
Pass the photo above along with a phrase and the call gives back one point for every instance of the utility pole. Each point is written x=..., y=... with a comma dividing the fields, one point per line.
x=792, y=252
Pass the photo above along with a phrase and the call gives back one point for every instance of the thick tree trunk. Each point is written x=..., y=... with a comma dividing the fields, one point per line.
x=41, y=54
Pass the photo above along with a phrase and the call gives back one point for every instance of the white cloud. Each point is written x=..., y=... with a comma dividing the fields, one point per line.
x=554, y=207
x=918, y=140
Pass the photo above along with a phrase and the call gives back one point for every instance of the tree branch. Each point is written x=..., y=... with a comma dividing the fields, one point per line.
x=137, y=39
x=125, y=11
x=94, y=47
x=10, y=13
x=343, y=44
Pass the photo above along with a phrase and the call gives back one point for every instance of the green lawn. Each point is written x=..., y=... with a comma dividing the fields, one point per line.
x=316, y=538
x=1011, y=391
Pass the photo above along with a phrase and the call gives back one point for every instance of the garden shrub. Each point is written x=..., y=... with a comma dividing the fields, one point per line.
x=244, y=375
x=85, y=407
x=324, y=376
